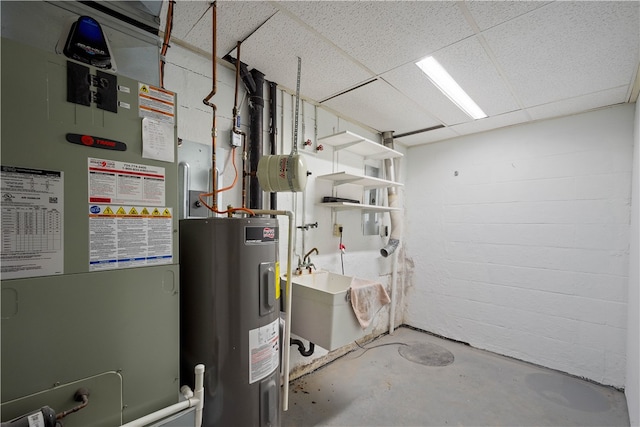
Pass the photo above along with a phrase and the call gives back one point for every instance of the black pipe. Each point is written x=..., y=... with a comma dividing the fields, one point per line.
x=301, y=349
x=256, y=108
x=273, y=133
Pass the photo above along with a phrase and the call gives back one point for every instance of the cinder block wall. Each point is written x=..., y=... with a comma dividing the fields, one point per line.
x=520, y=241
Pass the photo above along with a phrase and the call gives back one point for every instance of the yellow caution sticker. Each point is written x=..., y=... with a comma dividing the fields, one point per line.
x=155, y=212
x=133, y=211
x=144, y=89
x=121, y=211
x=107, y=211
x=166, y=212
x=145, y=211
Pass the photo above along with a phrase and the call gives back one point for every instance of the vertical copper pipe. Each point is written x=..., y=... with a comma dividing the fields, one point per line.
x=214, y=128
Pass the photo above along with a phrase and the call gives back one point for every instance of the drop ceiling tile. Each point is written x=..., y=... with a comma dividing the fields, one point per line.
x=185, y=16
x=487, y=14
x=274, y=48
x=427, y=137
x=383, y=34
x=381, y=107
x=579, y=104
x=469, y=65
x=568, y=49
x=236, y=21
x=413, y=83
x=490, y=123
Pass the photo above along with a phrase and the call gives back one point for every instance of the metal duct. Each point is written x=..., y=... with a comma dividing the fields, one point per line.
x=392, y=194
x=142, y=14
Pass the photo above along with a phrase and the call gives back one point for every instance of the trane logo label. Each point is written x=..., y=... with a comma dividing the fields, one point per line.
x=269, y=233
x=89, y=140
x=96, y=142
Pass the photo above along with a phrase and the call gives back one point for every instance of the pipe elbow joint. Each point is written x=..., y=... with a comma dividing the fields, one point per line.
x=390, y=247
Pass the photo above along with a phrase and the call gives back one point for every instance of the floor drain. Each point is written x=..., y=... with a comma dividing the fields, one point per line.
x=426, y=354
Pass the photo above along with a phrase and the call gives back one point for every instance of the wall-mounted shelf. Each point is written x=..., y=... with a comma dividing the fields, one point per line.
x=340, y=178
x=343, y=206
x=357, y=144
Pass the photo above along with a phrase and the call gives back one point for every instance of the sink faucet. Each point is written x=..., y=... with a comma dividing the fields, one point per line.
x=306, y=261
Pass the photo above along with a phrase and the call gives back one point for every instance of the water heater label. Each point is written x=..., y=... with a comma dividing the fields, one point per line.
x=32, y=222
x=264, y=351
x=129, y=236
x=261, y=234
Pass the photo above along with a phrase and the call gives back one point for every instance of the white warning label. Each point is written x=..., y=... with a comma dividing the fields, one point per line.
x=36, y=420
x=129, y=236
x=264, y=351
x=121, y=182
x=156, y=103
x=32, y=222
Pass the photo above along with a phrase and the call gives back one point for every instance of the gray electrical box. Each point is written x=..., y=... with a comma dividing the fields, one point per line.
x=90, y=278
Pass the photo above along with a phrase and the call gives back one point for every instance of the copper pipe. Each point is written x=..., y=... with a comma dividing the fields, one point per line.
x=214, y=128
x=81, y=395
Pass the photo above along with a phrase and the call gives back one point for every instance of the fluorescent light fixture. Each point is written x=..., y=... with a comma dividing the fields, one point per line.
x=449, y=87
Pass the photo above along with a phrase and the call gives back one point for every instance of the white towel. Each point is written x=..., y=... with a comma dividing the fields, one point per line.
x=367, y=298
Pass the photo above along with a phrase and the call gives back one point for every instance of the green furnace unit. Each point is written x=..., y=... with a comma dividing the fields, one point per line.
x=90, y=276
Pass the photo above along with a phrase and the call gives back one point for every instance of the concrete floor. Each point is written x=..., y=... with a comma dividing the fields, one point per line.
x=379, y=387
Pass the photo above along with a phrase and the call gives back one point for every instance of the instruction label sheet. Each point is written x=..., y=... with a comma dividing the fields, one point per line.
x=32, y=222
x=129, y=236
x=125, y=183
x=264, y=354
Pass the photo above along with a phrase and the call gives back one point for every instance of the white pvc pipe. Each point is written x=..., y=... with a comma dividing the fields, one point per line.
x=199, y=393
x=181, y=406
x=162, y=413
x=287, y=295
x=394, y=292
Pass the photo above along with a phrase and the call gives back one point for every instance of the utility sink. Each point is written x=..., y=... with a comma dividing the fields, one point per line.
x=320, y=311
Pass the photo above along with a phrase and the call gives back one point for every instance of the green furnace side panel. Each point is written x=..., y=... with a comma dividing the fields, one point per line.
x=82, y=324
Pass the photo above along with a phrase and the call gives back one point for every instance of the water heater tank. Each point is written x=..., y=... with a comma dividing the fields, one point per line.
x=229, y=308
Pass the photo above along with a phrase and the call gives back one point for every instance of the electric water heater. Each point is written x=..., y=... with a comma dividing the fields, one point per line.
x=230, y=317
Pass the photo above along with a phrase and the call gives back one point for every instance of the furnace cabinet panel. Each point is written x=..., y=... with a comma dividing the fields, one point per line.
x=62, y=328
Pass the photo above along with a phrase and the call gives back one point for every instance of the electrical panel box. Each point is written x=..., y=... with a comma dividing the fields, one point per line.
x=90, y=277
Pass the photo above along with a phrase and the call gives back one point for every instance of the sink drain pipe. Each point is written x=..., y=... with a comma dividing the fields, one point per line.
x=303, y=351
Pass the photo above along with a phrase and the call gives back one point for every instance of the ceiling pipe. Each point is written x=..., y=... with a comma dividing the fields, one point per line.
x=214, y=108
